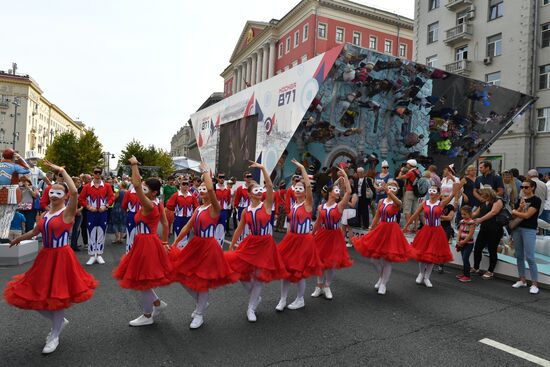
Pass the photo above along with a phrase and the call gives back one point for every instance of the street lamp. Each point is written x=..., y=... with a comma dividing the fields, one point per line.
x=107, y=159
x=17, y=104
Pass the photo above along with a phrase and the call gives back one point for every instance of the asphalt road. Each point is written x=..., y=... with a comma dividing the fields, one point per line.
x=410, y=326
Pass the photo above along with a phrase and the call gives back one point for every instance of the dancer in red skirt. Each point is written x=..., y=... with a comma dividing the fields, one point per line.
x=431, y=242
x=56, y=280
x=256, y=260
x=297, y=248
x=385, y=243
x=146, y=265
x=329, y=238
x=200, y=265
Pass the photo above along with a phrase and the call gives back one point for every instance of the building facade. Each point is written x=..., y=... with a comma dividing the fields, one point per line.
x=265, y=49
x=502, y=42
x=27, y=119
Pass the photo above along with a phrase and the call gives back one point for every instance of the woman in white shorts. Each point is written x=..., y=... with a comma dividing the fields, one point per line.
x=349, y=213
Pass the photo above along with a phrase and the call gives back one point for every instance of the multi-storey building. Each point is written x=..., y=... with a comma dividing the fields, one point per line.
x=29, y=121
x=310, y=28
x=501, y=42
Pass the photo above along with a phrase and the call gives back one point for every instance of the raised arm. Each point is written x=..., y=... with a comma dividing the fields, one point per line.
x=457, y=186
x=146, y=204
x=215, y=207
x=268, y=202
x=345, y=199
x=307, y=184
x=70, y=211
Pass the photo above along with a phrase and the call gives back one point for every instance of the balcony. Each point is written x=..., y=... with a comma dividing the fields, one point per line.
x=461, y=67
x=453, y=5
x=460, y=33
x=4, y=104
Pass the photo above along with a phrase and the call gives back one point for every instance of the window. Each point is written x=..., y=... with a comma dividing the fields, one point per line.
x=287, y=48
x=387, y=47
x=545, y=36
x=493, y=78
x=433, y=30
x=462, y=17
x=296, y=39
x=339, y=35
x=545, y=2
x=496, y=9
x=434, y=4
x=280, y=51
x=304, y=58
x=372, y=42
x=461, y=53
x=402, y=50
x=322, y=30
x=494, y=45
x=356, y=39
x=543, y=119
x=305, y=33
x=294, y=63
x=544, y=76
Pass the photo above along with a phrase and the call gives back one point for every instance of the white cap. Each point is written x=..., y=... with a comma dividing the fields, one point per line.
x=385, y=163
x=412, y=162
x=533, y=173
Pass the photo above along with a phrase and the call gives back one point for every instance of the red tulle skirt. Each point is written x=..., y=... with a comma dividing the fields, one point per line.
x=146, y=266
x=257, y=256
x=387, y=242
x=432, y=246
x=201, y=265
x=55, y=281
x=331, y=246
x=300, y=256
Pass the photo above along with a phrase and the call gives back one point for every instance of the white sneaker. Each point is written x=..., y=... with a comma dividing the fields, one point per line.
x=519, y=284
x=198, y=320
x=157, y=309
x=65, y=322
x=428, y=283
x=419, y=278
x=100, y=260
x=51, y=346
x=281, y=305
x=328, y=292
x=317, y=292
x=377, y=285
x=92, y=260
x=194, y=313
x=382, y=289
x=251, y=315
x=142, y=320
x=297, y=304
x=534, y=289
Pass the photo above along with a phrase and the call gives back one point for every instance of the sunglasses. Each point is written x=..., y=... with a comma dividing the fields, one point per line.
x=526, y=187
x=221, y=177
x=385, y=167
x=185, y=184
x=97, y=172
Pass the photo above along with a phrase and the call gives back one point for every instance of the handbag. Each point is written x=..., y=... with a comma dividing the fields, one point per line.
x=368, y=192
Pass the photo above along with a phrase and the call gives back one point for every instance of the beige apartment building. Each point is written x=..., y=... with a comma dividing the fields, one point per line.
x=27, y=118
x=501, y=42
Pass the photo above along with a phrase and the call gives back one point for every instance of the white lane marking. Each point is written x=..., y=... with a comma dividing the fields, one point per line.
x=518, y=353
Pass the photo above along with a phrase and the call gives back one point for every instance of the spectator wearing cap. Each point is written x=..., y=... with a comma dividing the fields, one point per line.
x=408, y=174
x=433, y=175
x=382, y=178
x=488, y=178
x=363, y=184
x=540, y=190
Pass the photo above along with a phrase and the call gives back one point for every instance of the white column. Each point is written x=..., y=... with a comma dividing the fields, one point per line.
x=248, y=70
x=271, y=59
x=264, y=61
x=239, y=77
x=234, y=82
x=245, y=73
x=254, y=69
x=259, y=66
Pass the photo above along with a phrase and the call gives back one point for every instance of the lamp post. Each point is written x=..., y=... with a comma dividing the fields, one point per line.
x=16, y=104
x=107, y=159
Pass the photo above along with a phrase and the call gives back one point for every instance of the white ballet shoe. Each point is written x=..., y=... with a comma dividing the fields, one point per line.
x=51, y=346
x=281, y=305
x=63, y=324
x=382, y=289
x=297, y=304
x=327, y=292
x=428, y=283
x=317, y=292
x=197, y=322
x=251, y=315
x=142, y=320
x=157, y=309
x=194, y=313
x=419, y=278
x=377, y=285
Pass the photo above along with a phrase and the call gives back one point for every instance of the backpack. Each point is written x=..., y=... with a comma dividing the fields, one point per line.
x=421, y=185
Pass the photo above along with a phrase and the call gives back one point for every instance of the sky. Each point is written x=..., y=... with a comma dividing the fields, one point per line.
x=133, y=69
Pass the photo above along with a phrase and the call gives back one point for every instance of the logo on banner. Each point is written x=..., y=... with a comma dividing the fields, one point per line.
x=287, y=94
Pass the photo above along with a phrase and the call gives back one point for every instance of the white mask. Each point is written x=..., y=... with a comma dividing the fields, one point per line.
x=144, y=188
x=336, y=190
x=393, y=188
x=257, y=190
x=202, y=189
x=432, y=191
x=298, y=189
x=56, y=194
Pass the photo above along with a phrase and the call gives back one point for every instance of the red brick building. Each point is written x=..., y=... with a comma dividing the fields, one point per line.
x=310, y=28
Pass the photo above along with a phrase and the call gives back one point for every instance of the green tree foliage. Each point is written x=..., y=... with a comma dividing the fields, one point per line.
x=77, y=154
x=150, y=157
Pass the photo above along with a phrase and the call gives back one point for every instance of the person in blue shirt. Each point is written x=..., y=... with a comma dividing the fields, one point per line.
x=9, y=185
x=17, y=227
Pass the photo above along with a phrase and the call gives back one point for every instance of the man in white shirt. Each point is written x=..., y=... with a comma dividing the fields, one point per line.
x=36, y=174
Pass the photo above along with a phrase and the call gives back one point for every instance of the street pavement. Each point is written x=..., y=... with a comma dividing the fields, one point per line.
x=410, y=326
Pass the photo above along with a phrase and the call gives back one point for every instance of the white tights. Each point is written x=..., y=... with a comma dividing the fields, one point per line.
x=201, y=299
x=254, y=289
x=327, y=277
x=285, y=286
x=425, y=269
x=149, y=297
x=56, y=317
x=384, y=270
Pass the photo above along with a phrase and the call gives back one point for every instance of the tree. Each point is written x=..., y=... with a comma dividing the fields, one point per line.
x=76, y=154
x=150, y=156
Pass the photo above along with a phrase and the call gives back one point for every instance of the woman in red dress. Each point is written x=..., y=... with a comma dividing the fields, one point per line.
x=56, y=280
x=329, y=238
x=146, y=265
x=431, y=242
x=256, y=260
x=297, y=248
x=385, y=243
x=200, y=265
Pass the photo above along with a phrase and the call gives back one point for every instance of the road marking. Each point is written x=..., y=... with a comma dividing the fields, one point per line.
x=516, y=352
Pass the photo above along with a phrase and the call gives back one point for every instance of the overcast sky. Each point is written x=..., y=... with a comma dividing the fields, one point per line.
x=133, y=68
